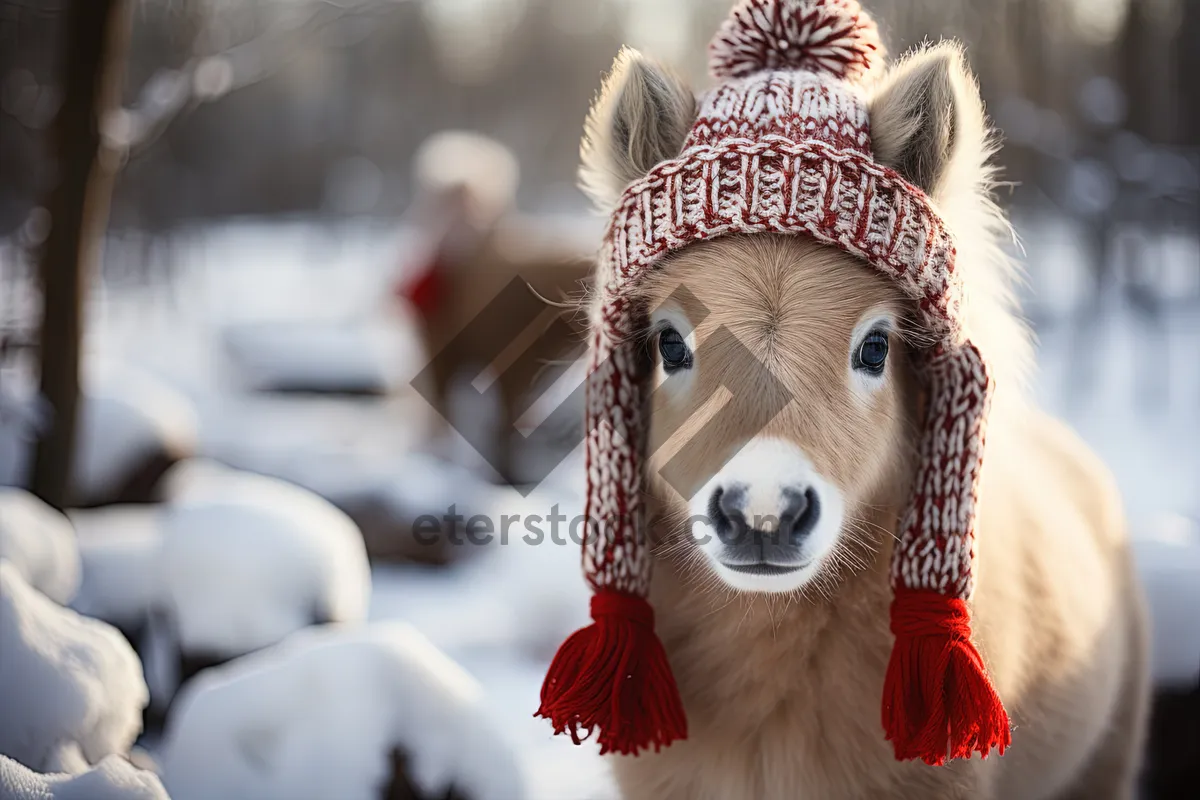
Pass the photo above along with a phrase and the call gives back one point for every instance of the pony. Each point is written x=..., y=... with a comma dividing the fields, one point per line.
x=780, y=669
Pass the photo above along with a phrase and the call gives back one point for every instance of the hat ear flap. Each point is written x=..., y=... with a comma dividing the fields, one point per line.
x=927, y=119
x=641, y=117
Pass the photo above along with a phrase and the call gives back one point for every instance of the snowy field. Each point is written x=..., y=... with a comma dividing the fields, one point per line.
x=255, y=303
x=243, y=555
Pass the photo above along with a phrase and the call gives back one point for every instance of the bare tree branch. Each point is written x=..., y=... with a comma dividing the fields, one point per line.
x=172, y=93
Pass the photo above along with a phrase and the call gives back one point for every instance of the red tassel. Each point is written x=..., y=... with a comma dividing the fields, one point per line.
x=613, y=676
x=424, y=291
x=938, y=701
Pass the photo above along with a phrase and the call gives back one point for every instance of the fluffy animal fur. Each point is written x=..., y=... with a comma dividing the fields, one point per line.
x=782, y=691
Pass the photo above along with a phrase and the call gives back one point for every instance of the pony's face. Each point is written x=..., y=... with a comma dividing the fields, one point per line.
x=784, y=424
x=782, y=410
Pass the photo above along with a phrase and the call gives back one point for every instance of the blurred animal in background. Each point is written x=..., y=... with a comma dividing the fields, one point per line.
x=493, y=290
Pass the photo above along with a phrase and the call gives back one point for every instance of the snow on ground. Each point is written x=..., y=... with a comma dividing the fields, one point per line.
x=525, y=590
x=475, y=627
x=20, y=420
x=404, y=484
x=40, y=543
x=71, y=688
x=120, y=548
x=1168, y=559
x=416, y=484
x=113, y=778
x=506, y=643
x=370, y=357
x=555, y=768
x=535, y=578
x=500, y=615
x=238, y=732
x=238, y=560
x=128, y=415
x=232, y=562
x=248, y=559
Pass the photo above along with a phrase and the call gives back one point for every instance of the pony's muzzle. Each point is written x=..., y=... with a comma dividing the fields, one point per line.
x=763, y=540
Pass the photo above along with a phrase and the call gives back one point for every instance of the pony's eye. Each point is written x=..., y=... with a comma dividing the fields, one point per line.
x=872, y=353
x=674, y=351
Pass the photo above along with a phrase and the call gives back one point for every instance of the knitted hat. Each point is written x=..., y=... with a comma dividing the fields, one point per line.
x=782, y=145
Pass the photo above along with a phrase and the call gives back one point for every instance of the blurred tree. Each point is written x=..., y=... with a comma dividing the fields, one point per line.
x=95, y=37
x=1187, y=55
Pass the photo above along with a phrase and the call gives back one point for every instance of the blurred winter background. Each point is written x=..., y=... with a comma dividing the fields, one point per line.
x=220, y=284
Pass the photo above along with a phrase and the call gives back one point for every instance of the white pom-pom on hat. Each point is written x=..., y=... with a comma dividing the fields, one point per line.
x=835, y=37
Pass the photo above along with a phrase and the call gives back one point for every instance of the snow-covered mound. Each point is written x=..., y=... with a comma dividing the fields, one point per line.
x=113, y=778
x=248, y=559
x=390, y=498
x=71, y=688
x=525, y=590
x=21, y=417
x=1168, y=559
x=417, y=484
x=369, y=357
x=535, y=578
x=39, y=541
x=131, y=426
x=240, y=732
x=127, y=419
x=233, y=562
x=120, y=548
x=383, y=492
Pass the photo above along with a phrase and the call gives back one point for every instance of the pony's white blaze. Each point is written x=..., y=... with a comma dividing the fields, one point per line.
x=766, y=469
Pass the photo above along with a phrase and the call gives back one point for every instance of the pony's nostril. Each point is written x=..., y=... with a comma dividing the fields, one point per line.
x=801, y=510
x=726, y=509
x=732, y=500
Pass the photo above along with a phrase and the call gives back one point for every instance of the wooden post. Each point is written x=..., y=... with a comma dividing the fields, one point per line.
x=92, y=58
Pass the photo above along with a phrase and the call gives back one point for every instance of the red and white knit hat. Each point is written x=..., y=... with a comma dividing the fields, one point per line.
x=782, y=145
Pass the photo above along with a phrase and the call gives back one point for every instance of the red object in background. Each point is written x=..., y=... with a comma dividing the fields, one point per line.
x=425, y=290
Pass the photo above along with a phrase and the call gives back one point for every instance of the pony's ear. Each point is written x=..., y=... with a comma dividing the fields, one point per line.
x=642, y=116
x=927, y=121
